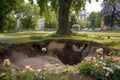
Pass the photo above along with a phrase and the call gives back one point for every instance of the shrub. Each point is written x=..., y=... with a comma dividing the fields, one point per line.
x=76, y=27
x=101, y=67
x=30, y=75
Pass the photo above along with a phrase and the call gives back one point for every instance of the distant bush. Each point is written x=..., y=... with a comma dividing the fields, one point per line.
x=76, y=27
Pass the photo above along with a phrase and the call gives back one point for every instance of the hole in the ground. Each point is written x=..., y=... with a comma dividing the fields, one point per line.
x=68, y=51
x=71, y=54
x=70, y=59
x=36, y=46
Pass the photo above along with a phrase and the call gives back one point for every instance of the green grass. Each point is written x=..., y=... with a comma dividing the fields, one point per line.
x=100, y=33
x=111, y=43
x=24, y=33
x=43, y=32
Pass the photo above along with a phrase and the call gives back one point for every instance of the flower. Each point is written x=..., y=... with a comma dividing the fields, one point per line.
x=94, y=58
x=87, y=58
x=104, y=64
x=38, y=70
x=13, y=70
x=101, y=58
x=117, y=59
x=44, y=49
x=6, y=62
x=31, y=70
x=96, y=64
x=18, y=77
x=23, y=71
x=2, y=74
x=100, y=50
x=108, y=57
x=108, y=69
x=27, y=67
x=118, y=67
x=107, y=74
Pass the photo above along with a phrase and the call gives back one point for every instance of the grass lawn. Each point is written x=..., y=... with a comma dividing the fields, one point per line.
x=112, y=43
x=48, y=32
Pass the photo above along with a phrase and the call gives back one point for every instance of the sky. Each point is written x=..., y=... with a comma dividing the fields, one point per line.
x=94, y=6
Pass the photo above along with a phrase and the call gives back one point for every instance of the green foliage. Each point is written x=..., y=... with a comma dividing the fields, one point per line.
x=76, y=27
x=84, y=23
x=26, y=10
x=25, y=33
x=101, y=67
x=114, y=1
x=51, y=20
x=30, y=75
x=53, y=4
x=9, y=22
x=43, y=4
x=118, y=22
x=95, y=18
x=6, y=7
x=29, y=23
x=73, y=20
x=111, y=43
x=78, y=5
x=29, y=16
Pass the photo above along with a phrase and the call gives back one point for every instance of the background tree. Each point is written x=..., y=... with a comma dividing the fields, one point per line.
x=73, y=20
x=50, y=17
x=51, y=21
x=110, y=11
x=29, y=16
x=9, y=22
x=95, y=19
x=63, y=12
x=84, y=23
x=118, y=22
x=6, y=6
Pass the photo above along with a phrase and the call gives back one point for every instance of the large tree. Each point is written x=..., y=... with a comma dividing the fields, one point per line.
x=110, y=11
x=63, y=8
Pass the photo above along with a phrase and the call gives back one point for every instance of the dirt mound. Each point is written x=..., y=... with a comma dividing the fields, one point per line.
x=64, y=51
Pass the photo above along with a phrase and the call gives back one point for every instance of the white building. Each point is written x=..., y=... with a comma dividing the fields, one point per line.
x=83, y=15
x=41, y=24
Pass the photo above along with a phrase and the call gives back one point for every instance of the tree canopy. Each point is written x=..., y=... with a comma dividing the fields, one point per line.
x=110, y=11
x=6, y=6
x=95, y=18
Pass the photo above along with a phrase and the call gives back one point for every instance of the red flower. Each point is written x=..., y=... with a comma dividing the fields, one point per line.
x=18, y=77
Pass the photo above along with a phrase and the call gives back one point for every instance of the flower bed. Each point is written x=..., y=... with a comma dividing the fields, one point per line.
x=29, y=74
x=103, y=68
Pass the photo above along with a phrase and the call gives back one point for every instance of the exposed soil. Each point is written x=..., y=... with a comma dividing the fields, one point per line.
x=58, y=54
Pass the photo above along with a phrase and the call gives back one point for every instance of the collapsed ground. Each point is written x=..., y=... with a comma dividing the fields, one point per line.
x=58, y=54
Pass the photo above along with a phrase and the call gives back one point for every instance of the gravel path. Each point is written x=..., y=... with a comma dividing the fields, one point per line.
x=20, y=36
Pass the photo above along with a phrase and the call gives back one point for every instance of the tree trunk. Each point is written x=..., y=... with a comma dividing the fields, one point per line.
x=63, y=27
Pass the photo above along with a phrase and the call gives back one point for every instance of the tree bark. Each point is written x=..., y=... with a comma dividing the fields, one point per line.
x=63, y=24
